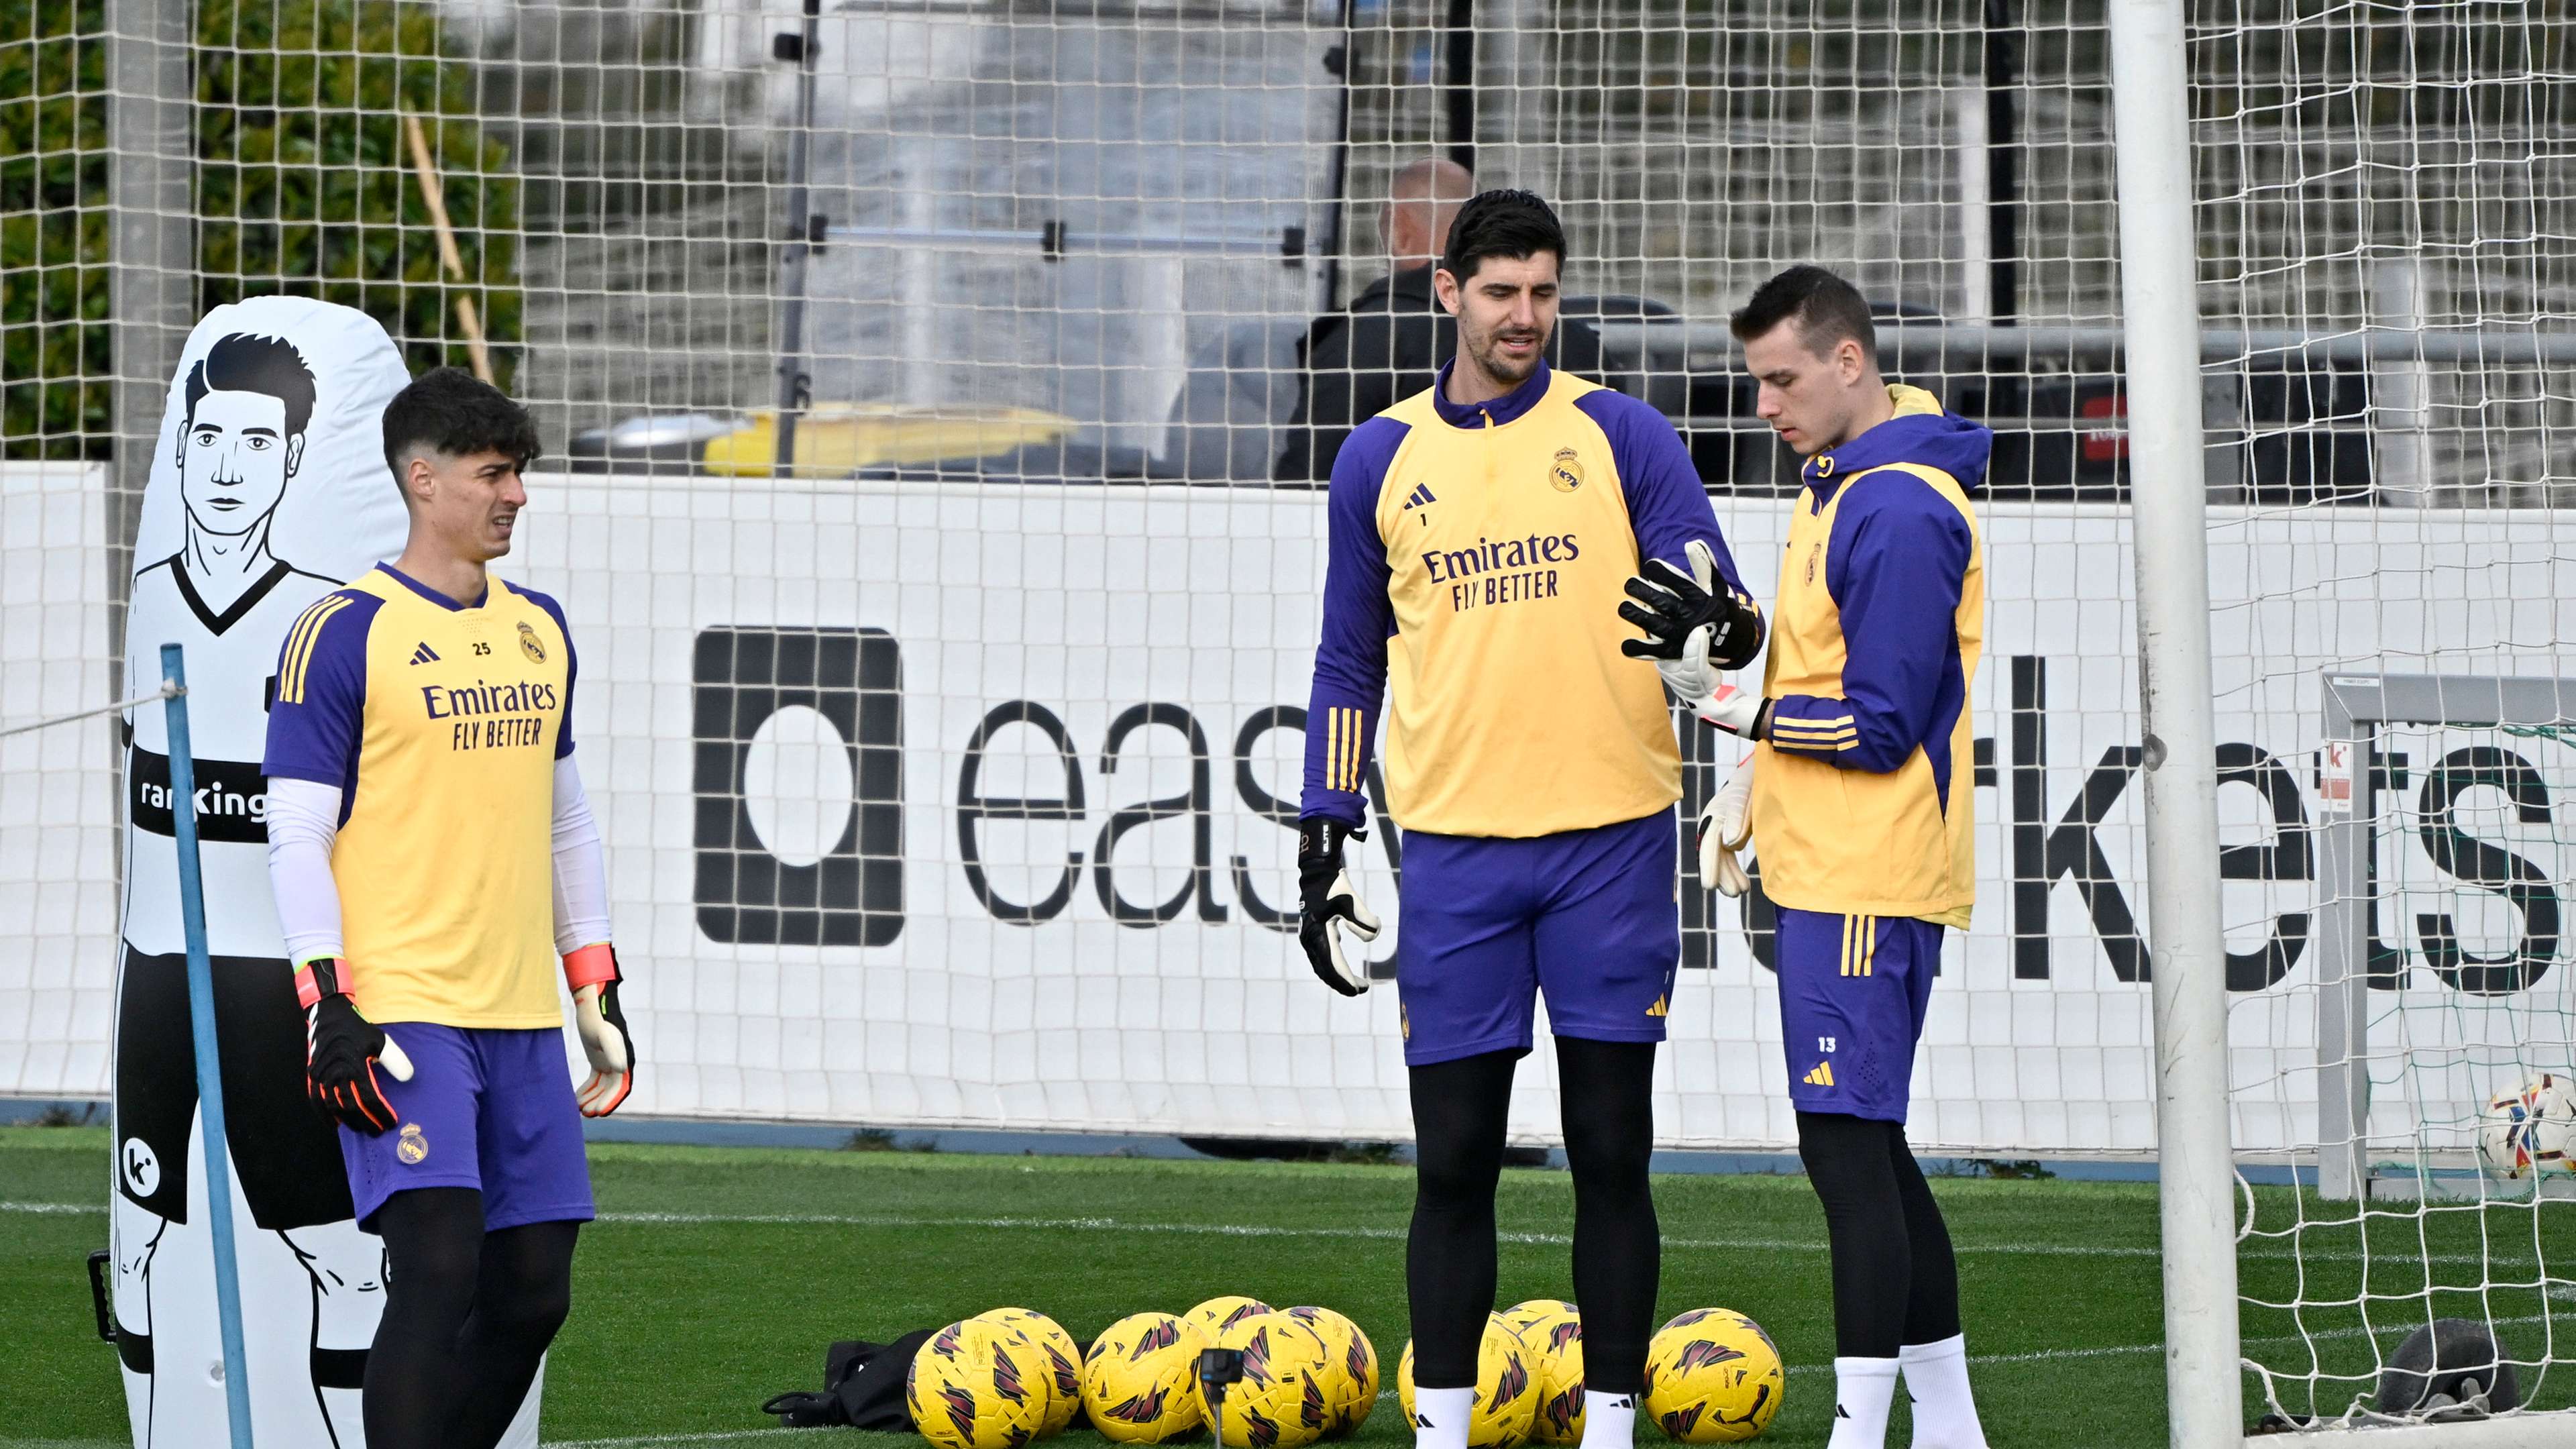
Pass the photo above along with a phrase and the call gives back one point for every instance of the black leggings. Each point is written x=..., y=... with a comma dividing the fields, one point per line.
x=1459, y=1109
x=1895, y=1280
x=468, y=1314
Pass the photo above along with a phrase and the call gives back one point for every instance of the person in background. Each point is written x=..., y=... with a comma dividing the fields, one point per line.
x=1356, y=363
x=1247, y=383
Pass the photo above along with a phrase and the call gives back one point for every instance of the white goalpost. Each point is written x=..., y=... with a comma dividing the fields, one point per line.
x=2169, y=509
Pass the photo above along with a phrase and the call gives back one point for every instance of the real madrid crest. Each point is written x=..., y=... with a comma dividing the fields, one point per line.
x=1566, y=473
x=528, y=644
x=412, y=1146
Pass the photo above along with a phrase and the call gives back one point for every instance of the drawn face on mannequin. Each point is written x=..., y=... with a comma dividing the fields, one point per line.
x=235, y=458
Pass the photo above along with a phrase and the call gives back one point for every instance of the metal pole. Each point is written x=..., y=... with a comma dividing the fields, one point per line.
x=2195, y=1166
x=153, y=273
x=2348, y=814
x=795, y=385
x=201, y=1025
x=1343, y=61
x=2005, y=39
x=1459, y=96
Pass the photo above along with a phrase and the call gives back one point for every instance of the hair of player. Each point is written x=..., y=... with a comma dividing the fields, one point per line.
x=244, y=362
x=450, y=411
x=1507, y=223
x=1827, y=309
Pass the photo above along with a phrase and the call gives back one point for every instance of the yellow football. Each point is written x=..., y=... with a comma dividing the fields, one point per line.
x=1712, y=1377
x=1506, y=1402
x=1350, y=1390
x=1140, y=1380
x=975, y=1385
x=1213, y=1317
x=1058, y=1358
x=1279, y=1402
x=1553, y=1329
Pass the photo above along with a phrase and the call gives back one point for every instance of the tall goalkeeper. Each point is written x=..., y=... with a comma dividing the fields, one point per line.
x=1479, y=533
x=1857, y=795
x=432, y=853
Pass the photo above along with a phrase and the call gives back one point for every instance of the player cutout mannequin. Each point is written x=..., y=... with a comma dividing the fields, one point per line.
x=426, y=905
x=1856, y=799
x=246, y=409
x=1484, y=527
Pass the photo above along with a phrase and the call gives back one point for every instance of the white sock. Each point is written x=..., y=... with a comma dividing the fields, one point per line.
x=1440, y=1417
x=1863, y=1390
x=1609, y=1421
x=1936, y=1378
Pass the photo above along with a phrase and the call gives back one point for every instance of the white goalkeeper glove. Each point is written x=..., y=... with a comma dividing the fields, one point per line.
x=1725, y=827
x=1736, y=711
x=592, y=974
x=1694, y=626
x=1331, y=906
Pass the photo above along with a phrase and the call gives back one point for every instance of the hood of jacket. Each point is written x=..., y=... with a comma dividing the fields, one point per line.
x=1919, y=433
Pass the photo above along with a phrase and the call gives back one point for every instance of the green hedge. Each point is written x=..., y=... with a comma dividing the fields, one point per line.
x=54, y=357
x=304, y=185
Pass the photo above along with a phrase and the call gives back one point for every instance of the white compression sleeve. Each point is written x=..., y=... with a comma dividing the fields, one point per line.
x=303, y=820
x=581, y=871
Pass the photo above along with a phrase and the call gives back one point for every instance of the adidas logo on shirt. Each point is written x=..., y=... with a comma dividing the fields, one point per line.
x=1420, y=495
x=1822, y=1076
x=424, y=654
x=1659, y=1008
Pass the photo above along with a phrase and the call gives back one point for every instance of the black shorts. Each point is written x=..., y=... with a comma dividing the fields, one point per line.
x=285, y=1152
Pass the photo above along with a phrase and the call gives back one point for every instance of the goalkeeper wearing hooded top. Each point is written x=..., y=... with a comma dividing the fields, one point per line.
x=1479, y=533
x=1857, y=798
x=432, y=855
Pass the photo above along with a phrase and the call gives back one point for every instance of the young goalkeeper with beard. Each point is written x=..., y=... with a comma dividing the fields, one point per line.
x=1479, y=533
x=1857, y=793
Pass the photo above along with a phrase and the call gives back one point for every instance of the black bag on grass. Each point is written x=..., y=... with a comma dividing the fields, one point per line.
x=862, y=1387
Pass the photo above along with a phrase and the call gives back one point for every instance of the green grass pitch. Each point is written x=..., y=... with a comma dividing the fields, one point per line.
x=717, y=1275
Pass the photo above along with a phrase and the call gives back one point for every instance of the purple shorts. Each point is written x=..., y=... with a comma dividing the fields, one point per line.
x=1588, y=917
x=485, y=1108
x=1853, y=990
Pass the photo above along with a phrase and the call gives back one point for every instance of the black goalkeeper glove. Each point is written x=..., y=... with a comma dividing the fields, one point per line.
x=342, y=1050
x=1331, y=905
x=1694, y=625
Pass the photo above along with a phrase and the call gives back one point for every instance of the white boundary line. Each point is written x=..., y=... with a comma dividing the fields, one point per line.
x=1237, y=1230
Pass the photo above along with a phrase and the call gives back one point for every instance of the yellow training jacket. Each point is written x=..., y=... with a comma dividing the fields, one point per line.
x=1862, y=799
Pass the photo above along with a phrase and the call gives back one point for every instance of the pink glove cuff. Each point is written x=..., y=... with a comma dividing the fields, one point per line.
x=590, y=965
x=322, y=976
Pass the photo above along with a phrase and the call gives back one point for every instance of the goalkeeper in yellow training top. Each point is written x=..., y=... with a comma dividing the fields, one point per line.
x=432, y=855
x=1857, y=798
x=1479, y=533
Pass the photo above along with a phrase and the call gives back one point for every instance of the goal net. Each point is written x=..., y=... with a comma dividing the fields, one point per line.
x=2443, y=1021
x=2387, y=254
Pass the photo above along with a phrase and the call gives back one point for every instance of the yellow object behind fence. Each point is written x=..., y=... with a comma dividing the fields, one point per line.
x=836, y=439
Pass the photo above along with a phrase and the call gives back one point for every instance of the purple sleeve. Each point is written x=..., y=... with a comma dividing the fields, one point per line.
x=1667, y=507
x=1350, y=658
x=315, y=722
x=572, y=668
x=1895, y=568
